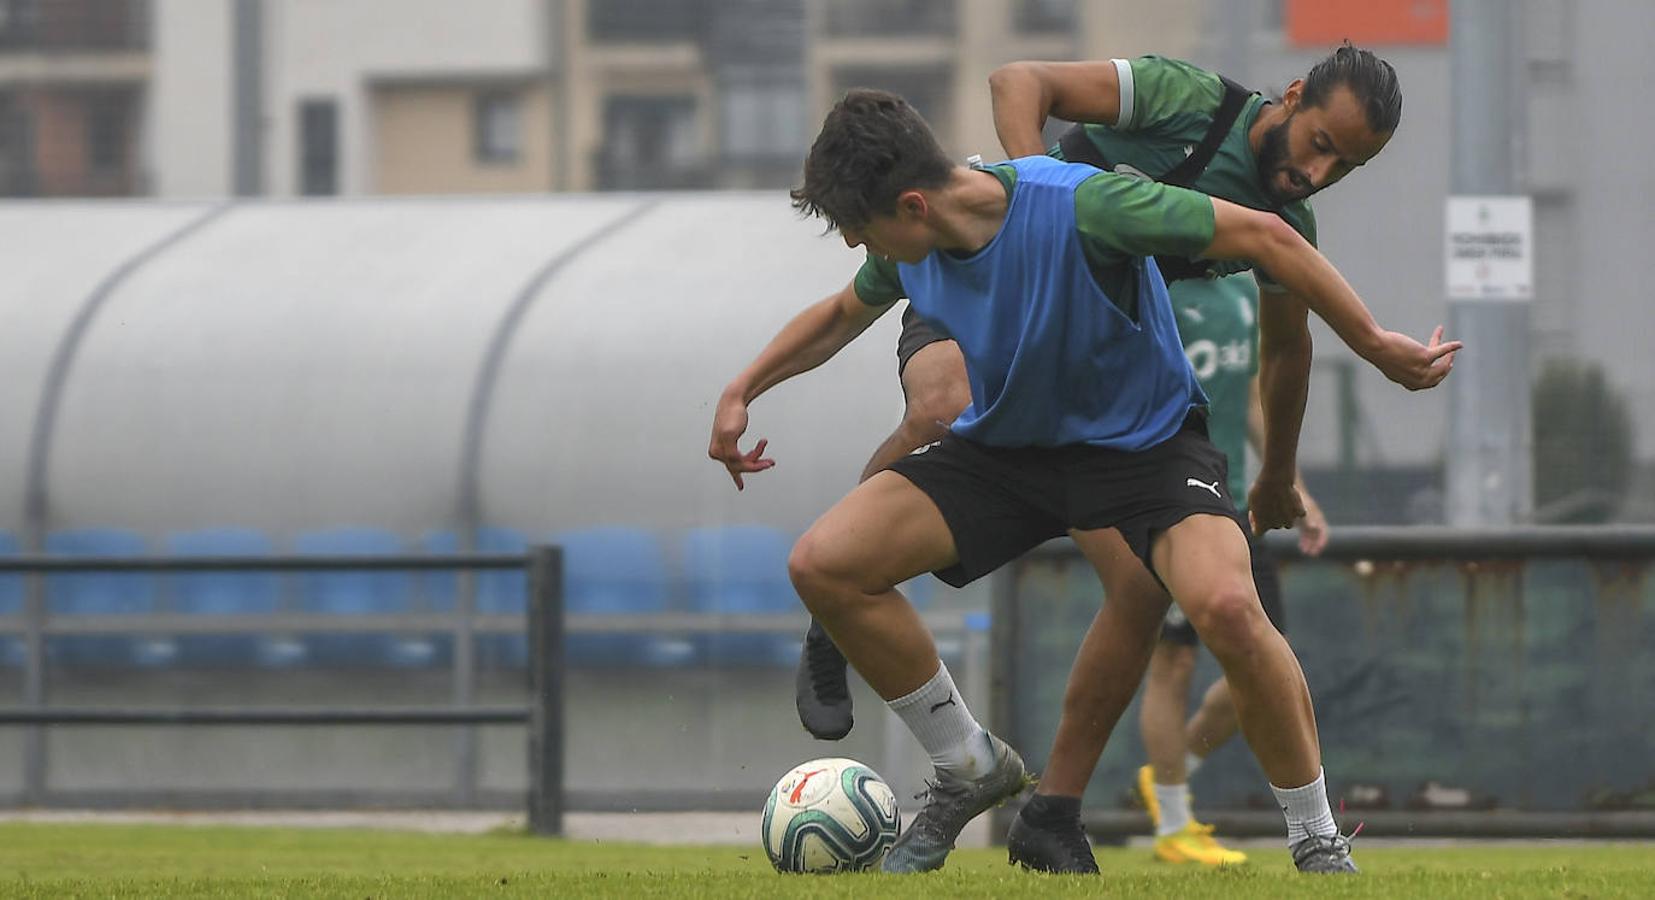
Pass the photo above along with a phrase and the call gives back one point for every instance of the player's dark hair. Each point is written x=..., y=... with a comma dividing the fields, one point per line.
x=1370, y=79
x=872, y=147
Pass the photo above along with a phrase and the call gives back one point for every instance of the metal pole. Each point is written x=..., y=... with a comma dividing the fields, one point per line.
x=247, y=97
x=1490, y=478
x=465, y=682
x=546, y=661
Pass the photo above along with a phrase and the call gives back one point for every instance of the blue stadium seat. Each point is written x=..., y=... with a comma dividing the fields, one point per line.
x=362, y=593
x=12, y=650
x=742, y=570
x=499, y=592
x=618, y=571
x=105, y=593
x=229, y=594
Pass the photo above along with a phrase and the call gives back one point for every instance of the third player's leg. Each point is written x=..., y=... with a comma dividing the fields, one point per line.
x=1109, y=664
x=846, y=566
x=1205, y=564
x=1161, y=714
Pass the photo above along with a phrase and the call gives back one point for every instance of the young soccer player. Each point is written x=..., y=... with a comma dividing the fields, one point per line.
x=1085, y=419
x=1218, y=321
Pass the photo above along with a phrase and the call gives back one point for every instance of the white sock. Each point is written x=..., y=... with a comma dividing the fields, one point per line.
x=1306, y=810
x=1191, y=763
x=1174, y=800
x=938, y=717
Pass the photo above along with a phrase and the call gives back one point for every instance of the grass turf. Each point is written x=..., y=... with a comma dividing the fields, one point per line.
x=38, y=860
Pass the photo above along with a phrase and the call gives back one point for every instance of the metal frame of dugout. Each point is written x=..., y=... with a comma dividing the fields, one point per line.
x=1632, y=547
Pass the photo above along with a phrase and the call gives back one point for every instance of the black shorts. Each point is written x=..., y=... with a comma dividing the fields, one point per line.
x=916, y=336
x=1178, y=630
x=1001, y=502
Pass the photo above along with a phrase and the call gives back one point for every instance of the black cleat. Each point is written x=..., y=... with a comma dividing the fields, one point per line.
x=1062, y=850
x=820, y=691
x=1328, y=855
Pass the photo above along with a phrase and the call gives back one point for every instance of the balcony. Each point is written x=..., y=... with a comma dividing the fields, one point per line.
x=74, y=26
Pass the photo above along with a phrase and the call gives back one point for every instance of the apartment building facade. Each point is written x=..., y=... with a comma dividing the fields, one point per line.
x=73, y=87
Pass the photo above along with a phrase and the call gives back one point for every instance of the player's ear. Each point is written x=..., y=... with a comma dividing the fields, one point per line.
x=1291, y=97
x=912, y=205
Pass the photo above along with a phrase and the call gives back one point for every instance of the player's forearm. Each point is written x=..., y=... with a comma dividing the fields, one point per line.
x=1271, y=243
x=1305, y=272
x=1257, y=431
x=1021, y=104
x=810, y=339
x=1284, y=383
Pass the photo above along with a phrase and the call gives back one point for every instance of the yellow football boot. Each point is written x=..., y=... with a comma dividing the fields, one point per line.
x=1195, y=844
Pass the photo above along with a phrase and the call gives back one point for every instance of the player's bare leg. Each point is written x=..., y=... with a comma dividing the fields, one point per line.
x=1214, y=723
x=846, y=568
x=936, y=391
x=1205, y=564
x=1164, y=782
x=1047, y=835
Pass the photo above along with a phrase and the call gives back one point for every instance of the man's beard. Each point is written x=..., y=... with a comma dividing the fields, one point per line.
x=1272, y=163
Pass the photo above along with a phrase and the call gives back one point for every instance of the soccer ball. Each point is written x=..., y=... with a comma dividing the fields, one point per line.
x=829, y=815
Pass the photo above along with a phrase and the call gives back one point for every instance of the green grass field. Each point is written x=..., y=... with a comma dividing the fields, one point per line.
x=186, y=861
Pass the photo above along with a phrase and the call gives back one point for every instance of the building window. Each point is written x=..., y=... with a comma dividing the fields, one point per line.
x=318, y=147
x=497, y=132
x=646, y=20
x=765, y=120
x=106, y=133
x=1045, y=16
x=17, y=174
x=650, y=143
x=886, y=18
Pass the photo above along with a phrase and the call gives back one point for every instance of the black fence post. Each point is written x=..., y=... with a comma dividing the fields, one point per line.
x=1003, y=686
x=546, y=661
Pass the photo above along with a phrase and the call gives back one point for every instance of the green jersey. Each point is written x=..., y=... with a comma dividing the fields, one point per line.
x=1218, y=321
x=1166, y=108
x=1118, y=219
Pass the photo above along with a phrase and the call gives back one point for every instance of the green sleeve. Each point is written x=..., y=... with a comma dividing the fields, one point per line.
x=877, y=282
x=1132, y=217
x=1155, y=91
x=1303, y=219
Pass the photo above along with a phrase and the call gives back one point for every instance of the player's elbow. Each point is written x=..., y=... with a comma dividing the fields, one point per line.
x=1005, y=79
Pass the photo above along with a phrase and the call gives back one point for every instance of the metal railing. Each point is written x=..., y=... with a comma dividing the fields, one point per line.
x=544, y=714
x=1431, y=647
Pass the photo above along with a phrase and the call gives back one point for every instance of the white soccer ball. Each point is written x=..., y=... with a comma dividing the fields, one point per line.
x=829, y=815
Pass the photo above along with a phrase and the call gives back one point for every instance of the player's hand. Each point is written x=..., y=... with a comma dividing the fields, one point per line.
x=729, y=424
x=1413, y=365
x=1312, y=528
x=1273, y=504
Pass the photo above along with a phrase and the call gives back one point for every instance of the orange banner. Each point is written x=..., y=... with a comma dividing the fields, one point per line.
x=1319, y=23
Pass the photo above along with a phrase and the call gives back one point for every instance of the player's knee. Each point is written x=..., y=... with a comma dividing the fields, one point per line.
x=813, y=571
x=1229, y=619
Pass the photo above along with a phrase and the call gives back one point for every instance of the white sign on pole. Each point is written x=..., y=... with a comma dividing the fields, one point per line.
x=1490, y=248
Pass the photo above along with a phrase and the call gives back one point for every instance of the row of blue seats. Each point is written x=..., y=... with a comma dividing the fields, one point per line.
x=610, y=570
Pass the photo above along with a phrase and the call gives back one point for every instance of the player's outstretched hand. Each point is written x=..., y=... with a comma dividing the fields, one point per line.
x=729, y=424
x=1273, y=505
x=1413, y=365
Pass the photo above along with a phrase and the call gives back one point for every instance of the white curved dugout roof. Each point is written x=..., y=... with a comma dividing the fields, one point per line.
x=298, y=365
